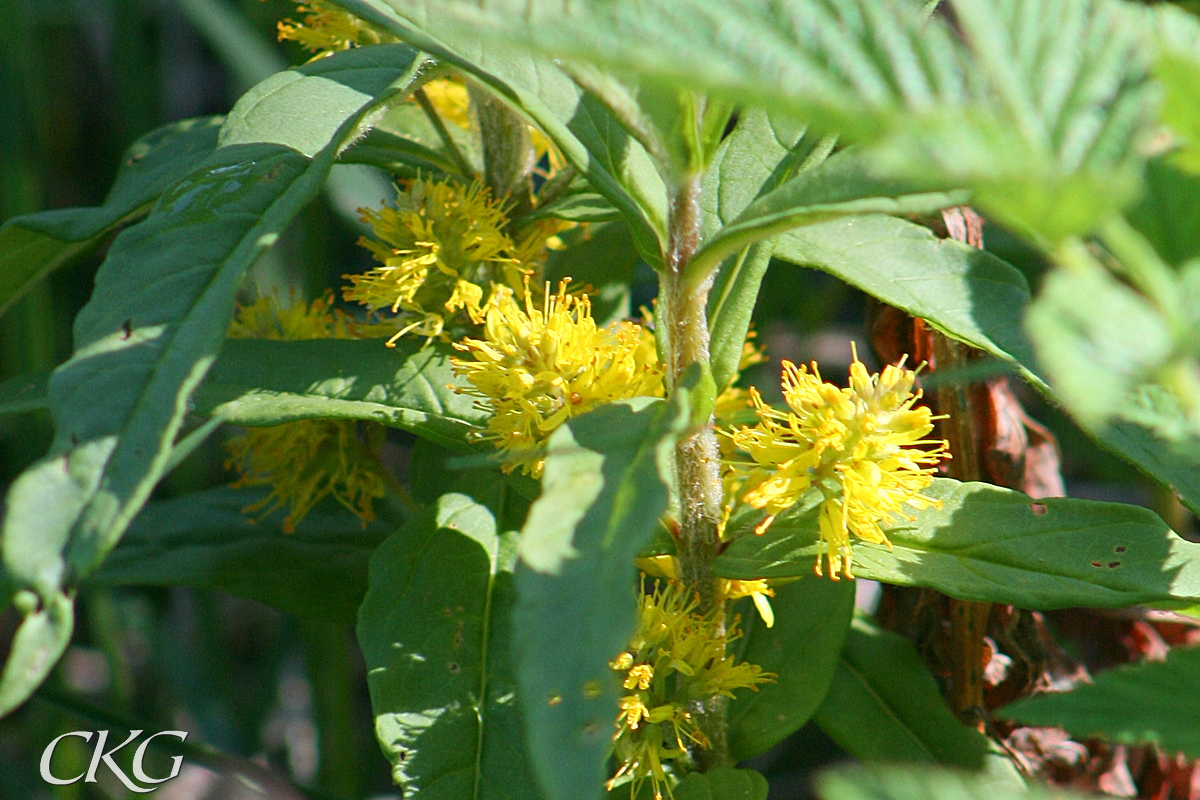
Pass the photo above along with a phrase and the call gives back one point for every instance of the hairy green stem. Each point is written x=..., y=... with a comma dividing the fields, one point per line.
x=508, y=157
x=697, y=462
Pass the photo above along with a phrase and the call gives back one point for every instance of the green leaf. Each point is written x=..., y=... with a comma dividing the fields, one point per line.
x=585, y=132
x=603, y=257
x=1151, y=702
x=757, y=156
x=24, y=393
x=883, y=705
x=1179, y=71
x=34, y=245
x=841, y=186
x=434, y=630
x=43, y=635
x=162, y=304
x=208, y=540
x=398, y=155
x=847, y=64
x=895, y=782
x=722, y=783
x=996, y=545
x=1053, y=148
x=1152, y=431
x=1168, y=214
x=1038, y=108
x=966, y=293
x=324, y=94
x=812, y=617
x=603, y=491
x=1096, y=338
x=730, y=308
x=266, y=382
x=577, y=206
x=761, y=152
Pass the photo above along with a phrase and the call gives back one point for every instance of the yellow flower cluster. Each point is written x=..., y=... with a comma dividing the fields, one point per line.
x=325, y=29
x=438, y=248
x=863, y=447
x=676, y=658
x=307, y=460
x=536, y=367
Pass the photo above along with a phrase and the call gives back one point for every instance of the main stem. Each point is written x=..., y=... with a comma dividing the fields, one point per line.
x=968, y=619
x=697, y=461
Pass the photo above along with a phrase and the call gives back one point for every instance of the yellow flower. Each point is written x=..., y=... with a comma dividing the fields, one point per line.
x=535, y=368
x=675, y=658
x=665, y=566
x=326, y=29
x=863, y=447
x=305, y=461
x=264, y=319
x=438, y=248
x=450, y=100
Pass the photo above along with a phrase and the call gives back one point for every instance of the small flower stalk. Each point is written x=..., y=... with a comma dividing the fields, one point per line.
x=863, y=447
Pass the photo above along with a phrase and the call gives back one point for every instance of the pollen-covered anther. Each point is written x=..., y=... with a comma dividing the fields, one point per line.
x=863, y=448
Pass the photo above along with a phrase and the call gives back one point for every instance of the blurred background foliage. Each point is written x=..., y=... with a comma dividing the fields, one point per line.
x=80, y=80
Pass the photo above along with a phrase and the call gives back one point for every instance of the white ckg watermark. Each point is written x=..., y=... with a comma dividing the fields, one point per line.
x=99, y=755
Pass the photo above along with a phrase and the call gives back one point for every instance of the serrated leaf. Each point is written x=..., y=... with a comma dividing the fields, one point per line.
x=207, y=539
x=1096, y=339
x=1152, y=702
x=884, y=705
x=434, y=630
x=722, y=783
x=1038, y=108
x=585, y=132
x=997, y=545
x=962, y=291
x=1054, y=147
x=162, y=304
x=812, y=617
x=603, y=491
x=34, y=245
x=266, y=382
x=847, y=63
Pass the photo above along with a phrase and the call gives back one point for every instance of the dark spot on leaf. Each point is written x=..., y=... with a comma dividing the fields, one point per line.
x=1113, y=564
x=454, y=667
x=403, y=754
x=127, y=329
x=1097, y=564
x=1120, y=548
x=1038, y=508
